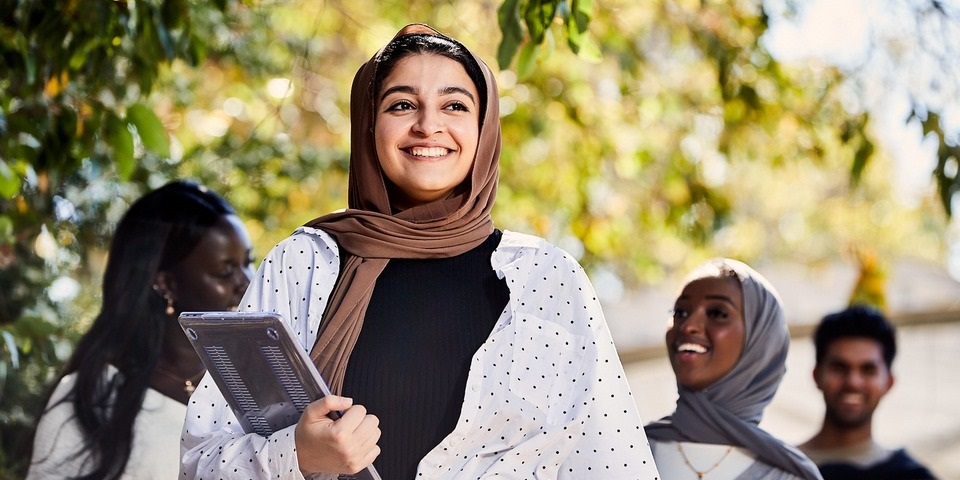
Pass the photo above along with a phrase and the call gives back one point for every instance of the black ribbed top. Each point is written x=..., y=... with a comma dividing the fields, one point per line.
x=425, y=321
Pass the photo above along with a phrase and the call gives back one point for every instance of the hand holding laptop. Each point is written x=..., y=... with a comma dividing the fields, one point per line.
x=345, y=445
x=270, y=383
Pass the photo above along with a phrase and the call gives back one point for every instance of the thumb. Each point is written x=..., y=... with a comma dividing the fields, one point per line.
x=328, y=404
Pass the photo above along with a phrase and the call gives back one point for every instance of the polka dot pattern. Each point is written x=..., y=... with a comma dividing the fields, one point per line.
x=546, y=396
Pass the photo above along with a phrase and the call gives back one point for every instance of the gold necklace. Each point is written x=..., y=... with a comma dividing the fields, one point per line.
x=704, y=473
x=189, y=384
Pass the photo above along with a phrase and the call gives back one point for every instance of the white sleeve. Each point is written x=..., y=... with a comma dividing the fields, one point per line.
x=613, y=439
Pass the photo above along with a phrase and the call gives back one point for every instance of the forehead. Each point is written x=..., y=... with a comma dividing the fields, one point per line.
x=429, y=67
x=714, y=287
x=227, y=229
x=854, y=350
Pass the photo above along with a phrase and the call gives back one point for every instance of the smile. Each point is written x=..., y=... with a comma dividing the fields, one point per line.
x=852, y=399
x=428, y=151
x=691, y=348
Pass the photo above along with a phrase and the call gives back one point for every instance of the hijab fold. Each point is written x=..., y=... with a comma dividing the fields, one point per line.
x=729, y=411
x=369, y=233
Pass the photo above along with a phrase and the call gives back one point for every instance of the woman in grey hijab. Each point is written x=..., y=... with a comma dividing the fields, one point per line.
x=727, y=346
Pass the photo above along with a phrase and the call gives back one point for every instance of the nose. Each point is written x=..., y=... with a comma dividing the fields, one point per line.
x=243, y=278
x=854, y=379
x=428, y=122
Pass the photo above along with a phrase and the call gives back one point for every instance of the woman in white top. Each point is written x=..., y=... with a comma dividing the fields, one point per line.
x=118, y=410
x=727, y=346
x=468, y=352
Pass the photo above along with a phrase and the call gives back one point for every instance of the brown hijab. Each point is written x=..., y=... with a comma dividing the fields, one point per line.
x=369, y=233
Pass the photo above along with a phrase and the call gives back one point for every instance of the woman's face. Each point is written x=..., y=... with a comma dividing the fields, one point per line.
x=214, y=276
x=427, y=128
x=707, y=335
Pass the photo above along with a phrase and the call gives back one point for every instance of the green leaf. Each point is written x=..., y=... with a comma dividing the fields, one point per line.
x=538, y=16
x=508, y=16
x=527, y=61
x=589, y=50
x=29, y=59
x=573, y=30
x=6, y=230
x=9, y=181
x=122, y=142
x=860, y=160
x=583, y=10
x=578, y=38
x=149, y=128
x=574, y=35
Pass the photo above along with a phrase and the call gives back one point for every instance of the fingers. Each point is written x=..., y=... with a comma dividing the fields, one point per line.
x=345, y=445
x=327, y=404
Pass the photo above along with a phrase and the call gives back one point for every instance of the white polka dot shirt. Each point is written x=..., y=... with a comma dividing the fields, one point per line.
x=546, y=397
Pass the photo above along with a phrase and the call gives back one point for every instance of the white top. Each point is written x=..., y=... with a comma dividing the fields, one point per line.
x=711, y=459
x=156, y=432
x=546, y=396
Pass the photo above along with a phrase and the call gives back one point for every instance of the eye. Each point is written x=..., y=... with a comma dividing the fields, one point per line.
x=400, y=105
x=837, y=368
x=458, y=106
x=226, y=272
x=717, y=314
x=679, y=313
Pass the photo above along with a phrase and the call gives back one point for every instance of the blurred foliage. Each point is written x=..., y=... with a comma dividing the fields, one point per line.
x=662, y=135
x=906, y=49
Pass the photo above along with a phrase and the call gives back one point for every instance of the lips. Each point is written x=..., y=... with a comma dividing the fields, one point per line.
x=689, y=350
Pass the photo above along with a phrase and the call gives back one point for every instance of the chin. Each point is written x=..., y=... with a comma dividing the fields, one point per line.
x=850, y=421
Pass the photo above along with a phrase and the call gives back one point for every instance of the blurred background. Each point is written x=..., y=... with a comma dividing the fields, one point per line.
x=918, y=413
x=816, y=140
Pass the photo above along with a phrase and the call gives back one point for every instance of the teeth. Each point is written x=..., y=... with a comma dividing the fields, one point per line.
x=428, y=151
x=691, y=347
x=851, y=398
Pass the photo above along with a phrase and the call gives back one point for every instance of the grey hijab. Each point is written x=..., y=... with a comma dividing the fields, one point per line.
x=729, y=411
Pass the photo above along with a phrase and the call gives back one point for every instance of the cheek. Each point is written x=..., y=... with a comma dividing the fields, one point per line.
x=209, y=290
x=379, y=138
x=466, y=134
x=730, y=341
x=671, y=334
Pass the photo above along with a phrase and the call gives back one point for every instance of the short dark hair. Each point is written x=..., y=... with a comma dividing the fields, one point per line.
x=423, y=43
x=856, y=321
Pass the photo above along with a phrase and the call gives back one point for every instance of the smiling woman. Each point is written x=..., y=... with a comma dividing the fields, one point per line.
x=467, y=352
x=706, y=338
x=727, y=346
x=427, y=126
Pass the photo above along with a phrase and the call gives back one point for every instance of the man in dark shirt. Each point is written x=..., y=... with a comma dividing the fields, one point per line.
x=855, y=350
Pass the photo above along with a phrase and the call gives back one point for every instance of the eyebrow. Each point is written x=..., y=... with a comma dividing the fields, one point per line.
x=414, y=91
